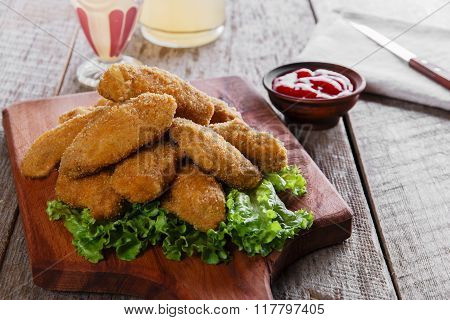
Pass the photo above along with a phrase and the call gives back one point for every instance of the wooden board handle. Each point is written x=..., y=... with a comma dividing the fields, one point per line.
x=432, y=71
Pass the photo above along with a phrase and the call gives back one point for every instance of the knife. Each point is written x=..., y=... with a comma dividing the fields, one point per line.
x=425, y=67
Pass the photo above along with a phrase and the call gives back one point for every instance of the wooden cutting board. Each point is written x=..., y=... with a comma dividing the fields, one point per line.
x=55, y=264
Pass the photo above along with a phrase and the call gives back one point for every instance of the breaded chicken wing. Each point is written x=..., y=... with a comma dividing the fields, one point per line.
x=146, y=175
x=93, y=192
x=214, y=155
x=122, y=82
x=47, y=150
x=223, y=112
x=118, y=133
x=263, y=149
x=196, y=198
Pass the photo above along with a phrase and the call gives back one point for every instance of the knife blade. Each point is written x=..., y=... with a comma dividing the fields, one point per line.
x=431, y=70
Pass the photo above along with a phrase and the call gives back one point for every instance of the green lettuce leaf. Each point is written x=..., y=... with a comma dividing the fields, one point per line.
x=259, y=222
x=140, y=226
x=128, y=236
x=289, y=178
x=183, y=240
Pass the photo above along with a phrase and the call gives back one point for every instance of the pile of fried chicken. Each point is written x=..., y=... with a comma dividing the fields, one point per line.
x=153, y=135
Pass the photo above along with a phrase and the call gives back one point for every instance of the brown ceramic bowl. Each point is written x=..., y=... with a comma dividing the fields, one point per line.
x=322, y=113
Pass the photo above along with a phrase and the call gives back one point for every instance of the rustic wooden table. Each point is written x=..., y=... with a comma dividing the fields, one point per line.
x=388, y=159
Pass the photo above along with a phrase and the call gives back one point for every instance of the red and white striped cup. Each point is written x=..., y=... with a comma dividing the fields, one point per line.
x=107, y=24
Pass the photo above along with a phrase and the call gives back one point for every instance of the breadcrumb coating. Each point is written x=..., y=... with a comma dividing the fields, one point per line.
x=196, y=198
x=79, y=111
x=105, y=102
x=118, y=133
x=122, y=82
x=263, y=149
x=93, y=192
x=146, y=175
x=223, y=112
x=214, y=155
x=46, y=151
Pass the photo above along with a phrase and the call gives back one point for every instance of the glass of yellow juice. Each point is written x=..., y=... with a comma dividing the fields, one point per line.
x=182, y=23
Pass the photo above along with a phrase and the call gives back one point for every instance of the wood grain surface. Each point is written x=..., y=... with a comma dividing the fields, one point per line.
x=34, y=50
x=255, y=32
x=402, y=151
x=248, y=20
x=56, y=266
x=408, y=177
x=355, y=269
x=346, y=282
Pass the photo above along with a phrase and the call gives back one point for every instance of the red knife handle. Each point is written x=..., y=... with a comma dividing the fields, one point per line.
x=432, y=71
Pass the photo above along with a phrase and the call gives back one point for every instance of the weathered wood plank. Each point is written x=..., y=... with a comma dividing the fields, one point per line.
x=32, y=63
x=34, y=46
x=259, y=36
x=403, y=151
x=242, y=51
x=16, y=279
x=356, y=269
x=8, y=201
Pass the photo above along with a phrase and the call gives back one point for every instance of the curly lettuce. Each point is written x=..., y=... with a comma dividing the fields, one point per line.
x=140, y=226
x=257, y=222
x=288, y=178
x=183, y=240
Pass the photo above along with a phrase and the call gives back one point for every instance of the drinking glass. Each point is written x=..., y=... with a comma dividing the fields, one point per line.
x=108, y=26
x=182, y=23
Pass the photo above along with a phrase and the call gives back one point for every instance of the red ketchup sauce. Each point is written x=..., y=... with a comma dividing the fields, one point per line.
x=319, y=84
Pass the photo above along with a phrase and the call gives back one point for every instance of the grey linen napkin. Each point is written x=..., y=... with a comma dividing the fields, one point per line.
x=338, y=42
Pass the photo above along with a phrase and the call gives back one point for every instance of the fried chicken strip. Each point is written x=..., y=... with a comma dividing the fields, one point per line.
x=122, y=82
x=93, y=192
x=223, y=112
x=196, y=198
x=104, y=102
x=47, y=150
x=146, y=175
x=118, y=133
x=214, y=155
x=79, y=111
x=263, y=149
